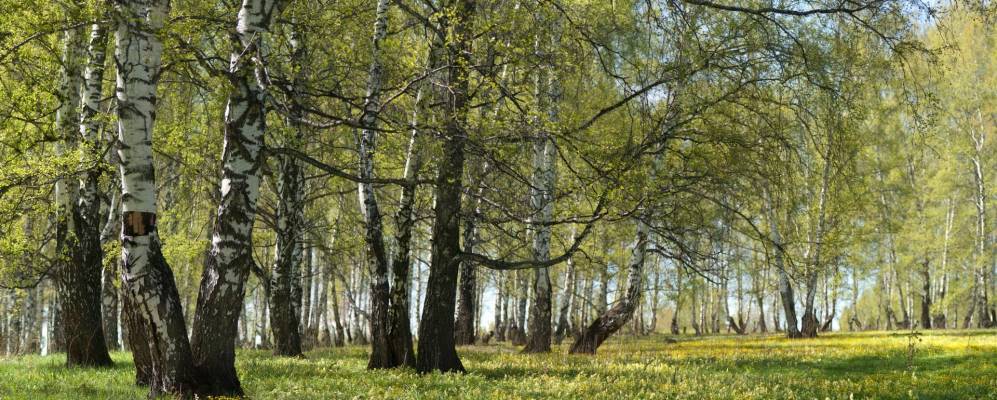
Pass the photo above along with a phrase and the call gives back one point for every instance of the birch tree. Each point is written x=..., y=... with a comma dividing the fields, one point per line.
x=158, y=325
x=229, y=261
x=377, y=257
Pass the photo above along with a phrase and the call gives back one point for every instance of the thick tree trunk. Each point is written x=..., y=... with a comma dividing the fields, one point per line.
x=284, y=275
x=613, y=319
x=78, y=225
x=227, y=266
x=437, y=351
x=136, y=335
x=146, y=278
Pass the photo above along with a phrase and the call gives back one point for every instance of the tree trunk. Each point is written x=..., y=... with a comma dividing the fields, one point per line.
x=499, y=307
x=285, y=288
x=437, y=351
x=31, y=324
x=229, y=262
x=543, y=180
x=831, y=309
x=78, y=224
x=905, y=323
x=377, y=257
x=110, y=292
x=518, y=333
x=785, y=286
x=674, y=325
x=399, y=330
x=136, y=342
x=146, y=278
x=926, y=295
x=464, y=331
x=290, y=219
x=980, y=287
x=810, y=325
x=601, y=301
x=939, y=318
x=323, y=336
x=613, y=319
x=56, y=333
x=340, y=332
x=563, y=318
x=305, y=290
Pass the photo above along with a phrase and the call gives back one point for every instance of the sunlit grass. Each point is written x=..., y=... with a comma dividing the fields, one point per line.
x=873, y=365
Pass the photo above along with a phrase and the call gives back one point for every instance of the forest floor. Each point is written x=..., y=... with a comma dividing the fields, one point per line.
x=869, y=365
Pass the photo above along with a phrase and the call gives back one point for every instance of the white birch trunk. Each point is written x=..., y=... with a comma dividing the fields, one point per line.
x=230, y=258
x=147, y=279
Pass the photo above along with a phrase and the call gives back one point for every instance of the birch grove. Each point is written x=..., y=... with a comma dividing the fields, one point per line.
x=422, y=180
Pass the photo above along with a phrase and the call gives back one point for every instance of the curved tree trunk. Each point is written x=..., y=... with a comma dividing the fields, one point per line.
x=222, y=290
x=614, y=318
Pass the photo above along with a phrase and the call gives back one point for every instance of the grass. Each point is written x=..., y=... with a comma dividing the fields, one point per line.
x=872, y=365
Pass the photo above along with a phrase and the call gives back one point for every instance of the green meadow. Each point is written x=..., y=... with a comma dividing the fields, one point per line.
x=869, y=365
